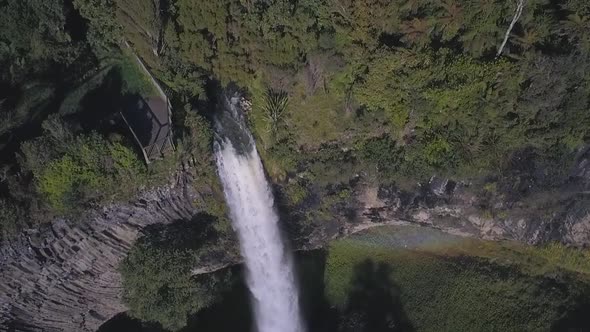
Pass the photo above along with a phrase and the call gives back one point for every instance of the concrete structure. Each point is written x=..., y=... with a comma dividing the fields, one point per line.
x=150, y=123
x=150, y=120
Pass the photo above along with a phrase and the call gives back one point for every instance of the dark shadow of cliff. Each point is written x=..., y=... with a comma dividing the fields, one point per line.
x=124, y=323
x=577, y=318
x=182, y=234
x=234, y=312
x=317, y=311
x=231, y=314
x=374, y=304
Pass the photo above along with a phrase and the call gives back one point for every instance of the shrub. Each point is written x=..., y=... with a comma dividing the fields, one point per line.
x=275, y=107
x=198, y=138
x=91, y=171
x=158, y=285
x=9, y=218
x=383, y=153
x=158, y=282
x=295, y=192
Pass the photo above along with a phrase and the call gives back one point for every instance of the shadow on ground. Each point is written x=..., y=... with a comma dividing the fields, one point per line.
x=373, y=303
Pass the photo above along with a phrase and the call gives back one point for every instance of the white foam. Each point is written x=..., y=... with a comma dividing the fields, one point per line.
x=270, y=276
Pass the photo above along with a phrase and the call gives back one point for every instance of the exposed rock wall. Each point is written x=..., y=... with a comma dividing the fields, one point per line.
x=64, y=277
x=526, y=209
x=457, y=211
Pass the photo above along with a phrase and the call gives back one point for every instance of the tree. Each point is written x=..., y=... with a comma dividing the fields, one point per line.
x=482, y=26
x=33, y=37
x=417, y=32
x=517, y=14
x=576, y=28
x=451, y=21
x=158, y=282
x=103, y=32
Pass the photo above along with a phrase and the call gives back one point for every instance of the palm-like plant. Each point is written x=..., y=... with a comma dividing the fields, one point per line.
x=484, y=6
x=275, y=108
x=482, y=32
x=576, y=23
x=480, y=41
x=576, y=27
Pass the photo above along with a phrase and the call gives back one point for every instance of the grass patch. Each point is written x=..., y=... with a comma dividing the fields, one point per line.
x=135, y=79
x=318, y=118
x=534, y=260
x=447, y=284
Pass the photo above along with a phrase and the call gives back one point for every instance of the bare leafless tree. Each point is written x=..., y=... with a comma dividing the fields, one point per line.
x=517, y=14
x=314, y=73
x=279, y=79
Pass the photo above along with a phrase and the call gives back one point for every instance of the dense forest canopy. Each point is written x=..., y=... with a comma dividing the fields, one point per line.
x=391, y=91
x=399, y=90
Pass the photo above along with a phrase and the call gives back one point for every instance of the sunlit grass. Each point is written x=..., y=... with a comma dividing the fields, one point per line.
x=533, y=259
x=135, y=80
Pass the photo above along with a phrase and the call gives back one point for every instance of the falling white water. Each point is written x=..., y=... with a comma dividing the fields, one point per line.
x=269, y=266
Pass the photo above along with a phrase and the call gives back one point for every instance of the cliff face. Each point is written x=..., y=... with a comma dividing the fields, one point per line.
x=528, y=206
x=64, y=277
x=454, y=208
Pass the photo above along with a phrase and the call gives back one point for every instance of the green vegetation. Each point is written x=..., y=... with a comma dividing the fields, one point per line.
x=441, y=283
x=66, y=74
x=135, y=79
x=396, y=91
x=89, y=169
x=390, y=91
x=157, y=273
x=418, y=76
x=71, y=173
x=103, y=32
x=79, y=160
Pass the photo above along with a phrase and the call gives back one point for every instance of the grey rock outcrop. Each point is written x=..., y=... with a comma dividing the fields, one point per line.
x=64, y=276
x=522, y=207
x=458, y=212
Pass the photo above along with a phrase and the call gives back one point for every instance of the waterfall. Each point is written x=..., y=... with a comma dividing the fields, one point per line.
x=269, y=266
